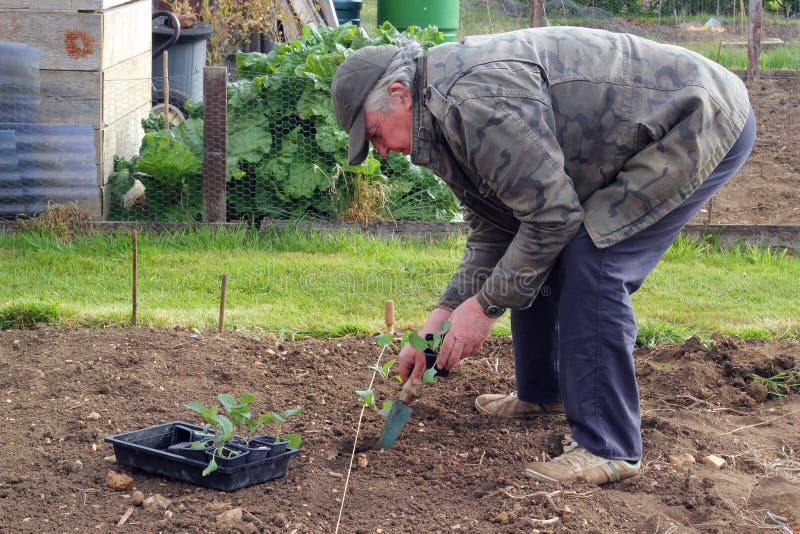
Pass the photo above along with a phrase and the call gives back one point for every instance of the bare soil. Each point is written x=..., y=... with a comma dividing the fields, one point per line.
x=451, y=469
x=765, y=191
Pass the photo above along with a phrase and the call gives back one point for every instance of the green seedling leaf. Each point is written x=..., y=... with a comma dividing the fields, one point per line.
x=383, y=370
x=378, y=370
x=446, y=326
x=246, y=399
x=428, y=375
x=267, y=418
x=198, y=407
x=366, y=397
x=398, y=378
x=227, y=400
x=225, y=425
x=384, y=340
x=197, y=445
x=436, y=342
x=387, y=405
x=417, y=341
x=211, y=467
x=277, y=418
x=293, y=439
x=295, y=411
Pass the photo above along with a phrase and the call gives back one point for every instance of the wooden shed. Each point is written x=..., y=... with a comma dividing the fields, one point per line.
x=95, y=68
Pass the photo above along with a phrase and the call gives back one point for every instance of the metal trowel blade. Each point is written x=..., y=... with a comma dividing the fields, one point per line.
x=395, y=421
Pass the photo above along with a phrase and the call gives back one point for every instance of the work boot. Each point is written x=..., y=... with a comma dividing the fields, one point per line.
x=511, y=406
x=579, y=463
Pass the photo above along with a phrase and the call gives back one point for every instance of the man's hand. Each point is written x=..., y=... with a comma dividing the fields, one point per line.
x=469, y=329
x=412, y=361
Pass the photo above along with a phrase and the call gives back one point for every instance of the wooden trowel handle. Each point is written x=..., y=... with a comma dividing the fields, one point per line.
x=409, y=392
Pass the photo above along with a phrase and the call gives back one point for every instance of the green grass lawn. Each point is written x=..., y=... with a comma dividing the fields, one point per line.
x=294, y=283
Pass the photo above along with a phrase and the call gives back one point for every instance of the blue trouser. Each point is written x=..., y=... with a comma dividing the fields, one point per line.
x=575, y=344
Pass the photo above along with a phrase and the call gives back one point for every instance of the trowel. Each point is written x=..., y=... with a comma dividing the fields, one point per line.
x=398, y=415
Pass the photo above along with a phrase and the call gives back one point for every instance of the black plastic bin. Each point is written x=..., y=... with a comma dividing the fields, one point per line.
x=146, y=449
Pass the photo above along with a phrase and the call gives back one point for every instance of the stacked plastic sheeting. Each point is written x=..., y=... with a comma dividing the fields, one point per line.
x=39, y=163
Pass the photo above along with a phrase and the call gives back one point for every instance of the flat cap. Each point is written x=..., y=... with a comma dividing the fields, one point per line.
x=352, y=82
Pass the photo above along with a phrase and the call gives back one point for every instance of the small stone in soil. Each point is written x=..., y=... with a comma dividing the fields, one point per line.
x=713, y=461
x=680, y=458
x=279, y=519
x=230, y=517
x=93, y=416
x=137, y=498
x=362, y=461
x=118, y=481
x=156, y=501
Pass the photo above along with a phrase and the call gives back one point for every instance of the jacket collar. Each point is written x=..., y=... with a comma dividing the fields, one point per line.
x=421, y=118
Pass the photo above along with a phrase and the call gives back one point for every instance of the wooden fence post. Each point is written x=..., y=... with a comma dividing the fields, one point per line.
x=754, y=40
x=538, y=15
x=215, y=138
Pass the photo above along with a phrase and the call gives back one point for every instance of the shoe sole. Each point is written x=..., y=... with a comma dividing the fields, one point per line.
x=619, y=476
x=543, y=410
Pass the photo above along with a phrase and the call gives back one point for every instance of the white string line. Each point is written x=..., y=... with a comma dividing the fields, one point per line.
x=355, y=441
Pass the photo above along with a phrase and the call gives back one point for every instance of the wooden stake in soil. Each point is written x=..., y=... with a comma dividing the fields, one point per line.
x=135, y=261
x=222, y=302
x=388, y=314
x=166, y=90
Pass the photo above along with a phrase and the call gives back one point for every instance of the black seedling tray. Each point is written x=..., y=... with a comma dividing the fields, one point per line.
x=146, y=449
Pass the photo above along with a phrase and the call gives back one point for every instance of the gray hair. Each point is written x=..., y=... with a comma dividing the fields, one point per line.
x=401, y=69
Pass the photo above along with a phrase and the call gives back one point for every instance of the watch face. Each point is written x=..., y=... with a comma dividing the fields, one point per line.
x=494, y=311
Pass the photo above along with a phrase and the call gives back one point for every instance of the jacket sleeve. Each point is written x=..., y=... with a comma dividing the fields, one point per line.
x=508, y=142
x=486, y=244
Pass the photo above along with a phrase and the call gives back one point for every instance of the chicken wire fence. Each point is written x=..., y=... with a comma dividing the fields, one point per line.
x=264, y=142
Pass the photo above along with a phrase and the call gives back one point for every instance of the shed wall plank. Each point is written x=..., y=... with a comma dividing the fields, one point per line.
x=99, y=99
x=81, y=41
x=61, y=5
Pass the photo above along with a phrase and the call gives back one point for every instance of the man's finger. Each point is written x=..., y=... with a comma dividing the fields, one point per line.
x=419, y=366
x=405, y=370
x=455, y=354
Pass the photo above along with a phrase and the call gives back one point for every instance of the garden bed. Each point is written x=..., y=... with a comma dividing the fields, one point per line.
x=451, y=469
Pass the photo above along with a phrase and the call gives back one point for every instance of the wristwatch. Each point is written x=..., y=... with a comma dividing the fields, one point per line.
x=491, y=310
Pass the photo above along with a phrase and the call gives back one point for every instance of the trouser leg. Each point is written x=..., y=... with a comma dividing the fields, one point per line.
x=596, y=324
x=535, y=338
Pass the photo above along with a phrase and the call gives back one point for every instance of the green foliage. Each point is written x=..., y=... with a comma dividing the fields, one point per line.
x=221, y=426
x=26, y=315
x=419, y=343
x=286, y=154
x=169, y=166
x=278, y=419
x=238, y=418
x=655, y=333
x=781, y=383
x=305, y=171
x=154, y=123
x=384, y=369
x=166, y=160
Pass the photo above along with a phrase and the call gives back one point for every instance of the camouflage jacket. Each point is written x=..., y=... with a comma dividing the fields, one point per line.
x=539, y=131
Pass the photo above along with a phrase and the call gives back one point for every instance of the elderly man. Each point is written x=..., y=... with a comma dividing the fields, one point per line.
x=579, y=155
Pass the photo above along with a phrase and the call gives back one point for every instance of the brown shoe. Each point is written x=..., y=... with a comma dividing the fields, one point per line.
x=511, y=406
x=579, y=463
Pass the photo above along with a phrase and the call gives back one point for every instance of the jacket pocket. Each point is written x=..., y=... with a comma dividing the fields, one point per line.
x=644, y=135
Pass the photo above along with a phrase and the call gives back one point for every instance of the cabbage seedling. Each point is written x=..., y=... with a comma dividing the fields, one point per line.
x=279, y=419
x=419, y=343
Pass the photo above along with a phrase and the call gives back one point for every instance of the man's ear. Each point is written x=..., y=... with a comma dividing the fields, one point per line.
x=397, y=88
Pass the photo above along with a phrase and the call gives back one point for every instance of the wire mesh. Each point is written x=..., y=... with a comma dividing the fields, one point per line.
x=279, y=152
